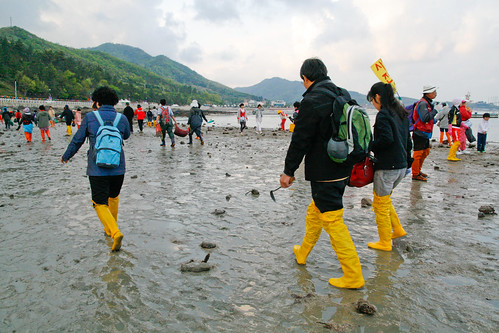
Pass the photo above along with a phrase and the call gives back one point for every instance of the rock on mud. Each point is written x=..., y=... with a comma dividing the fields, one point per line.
x=366, y=202
x=218, y=211
x=487, y=210
x=254, y=192
x=208, y=245
x=363, y=306
x=196, y=266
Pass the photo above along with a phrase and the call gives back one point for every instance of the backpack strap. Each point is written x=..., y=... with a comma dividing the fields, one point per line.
x=117, y=119
x=99, y=118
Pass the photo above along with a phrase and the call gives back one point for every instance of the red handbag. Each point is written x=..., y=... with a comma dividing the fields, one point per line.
x=362, y=173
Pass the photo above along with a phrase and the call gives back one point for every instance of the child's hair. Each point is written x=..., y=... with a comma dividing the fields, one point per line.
x=387, y=98
x=242, y=104
x=486, y=115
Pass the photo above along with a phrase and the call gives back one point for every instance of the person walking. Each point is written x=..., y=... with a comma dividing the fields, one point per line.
x=242, y=117
x=423, y=128
x=454, y=118
x=195, y=121
x=105, y=183
x=52, y=116
x=68, y=116
x=128, y=113
x=6, y=117
x=259, y=117
x=327, y=178
x=78, y=118
x=283, y=116
x=443, y=122
x=27, y=123
x=465, y=125
x=392, y=151
x=166, y=120
x=149, y=116
x=44, y=123
x=141, y=115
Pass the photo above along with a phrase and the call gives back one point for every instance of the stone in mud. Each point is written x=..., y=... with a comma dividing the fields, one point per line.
x=366, y=202
x=196, y=266
x=227, y=197
x=254, y=192
x=134, y=177
x=208, y=245
x=219, y=211
x=436, y=168
x=299, y=299
x=487, y=209
x=227, y=174
x=363, y=306
x=481, y=214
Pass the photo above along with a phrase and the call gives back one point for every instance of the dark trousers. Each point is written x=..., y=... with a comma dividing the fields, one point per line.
x=482, y=140
x=104, y=187
x=141, y=124
x=196, y=130
x=328, y=196
x=130, y=121
x=243, y=125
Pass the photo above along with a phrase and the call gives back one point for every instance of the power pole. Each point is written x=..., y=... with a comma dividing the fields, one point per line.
x=11, y=21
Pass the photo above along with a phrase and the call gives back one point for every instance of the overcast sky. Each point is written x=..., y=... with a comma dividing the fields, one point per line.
x=453, y=44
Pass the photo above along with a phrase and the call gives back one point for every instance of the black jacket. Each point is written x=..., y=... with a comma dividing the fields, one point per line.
x=392, y=143
x=128, y=113
x=312, y=131
x=68, y=116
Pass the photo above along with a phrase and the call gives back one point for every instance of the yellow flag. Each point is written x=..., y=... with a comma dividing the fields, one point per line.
x=380, y=70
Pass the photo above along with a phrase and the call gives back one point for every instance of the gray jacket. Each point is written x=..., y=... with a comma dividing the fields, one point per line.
x=442, y=117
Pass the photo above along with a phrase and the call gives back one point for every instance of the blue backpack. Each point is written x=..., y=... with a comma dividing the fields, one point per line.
x=108, y=143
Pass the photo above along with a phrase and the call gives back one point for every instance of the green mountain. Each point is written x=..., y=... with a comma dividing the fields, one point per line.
x=171, y=69
x=42, y=68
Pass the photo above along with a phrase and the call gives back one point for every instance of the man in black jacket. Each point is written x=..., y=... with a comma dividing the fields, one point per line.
x=128, y=113
x=327, y=178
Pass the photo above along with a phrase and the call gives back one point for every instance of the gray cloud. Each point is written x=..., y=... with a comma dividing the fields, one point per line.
x=216, y=10
x=191, y=54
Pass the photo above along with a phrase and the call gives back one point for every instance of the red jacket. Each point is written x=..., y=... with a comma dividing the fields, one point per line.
x=423, y=116
x=465, y=113
x=141, y=114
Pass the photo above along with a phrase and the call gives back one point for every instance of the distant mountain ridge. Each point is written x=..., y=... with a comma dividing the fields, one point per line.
x=169, y=68
x=290, y=91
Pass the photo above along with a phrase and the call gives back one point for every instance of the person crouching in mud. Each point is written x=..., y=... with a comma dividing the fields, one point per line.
x=327, y=178
x=105, y=183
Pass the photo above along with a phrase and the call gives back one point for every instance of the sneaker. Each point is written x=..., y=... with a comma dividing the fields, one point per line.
x=202, y=142
x=419, y=177
x=162, y=144
x=189, y=143
x=423, y=174
x=466, y=152
x=50, y=138
x=459, y=153
x=172, y=145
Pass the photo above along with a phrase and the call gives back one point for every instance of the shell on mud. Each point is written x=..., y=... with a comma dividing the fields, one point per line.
x=487, y=209
x=208, y=245
x=363, y=306
x=218, y=211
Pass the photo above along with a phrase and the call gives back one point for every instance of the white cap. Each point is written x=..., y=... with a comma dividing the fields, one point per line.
x=428, y=89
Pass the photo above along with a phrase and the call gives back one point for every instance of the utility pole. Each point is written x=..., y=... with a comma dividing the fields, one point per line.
x=11, y=21
x=15, y=88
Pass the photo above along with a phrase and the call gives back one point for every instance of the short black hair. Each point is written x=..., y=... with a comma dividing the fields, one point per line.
x=486, y=115
x=313, y=69
x=242, y=104
x=42, y=107
x=296, y=104
x=105, y=96
x=162, y=102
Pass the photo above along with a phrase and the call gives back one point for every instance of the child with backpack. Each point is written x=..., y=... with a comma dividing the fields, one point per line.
x=27, y=123
x=106, y=129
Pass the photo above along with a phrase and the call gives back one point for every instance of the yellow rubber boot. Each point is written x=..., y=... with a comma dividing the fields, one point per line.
x=452, y=152
x=343, y=245
x=397, y=230
x=113, y=206
x=104, y=223
x=69, y=131
x=312, y=234
x=108, y=220
x=381, y=207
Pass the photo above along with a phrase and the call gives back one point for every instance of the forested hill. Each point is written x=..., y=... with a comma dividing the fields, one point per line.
x=42, y=68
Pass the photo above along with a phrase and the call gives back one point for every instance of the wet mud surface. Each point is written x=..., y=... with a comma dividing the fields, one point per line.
x=58, y=274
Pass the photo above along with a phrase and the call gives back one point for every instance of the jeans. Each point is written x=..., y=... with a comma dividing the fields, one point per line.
x=481, y=141
x=196, y=130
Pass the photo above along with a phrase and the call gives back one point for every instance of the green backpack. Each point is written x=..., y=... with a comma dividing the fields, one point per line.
x=351, y=136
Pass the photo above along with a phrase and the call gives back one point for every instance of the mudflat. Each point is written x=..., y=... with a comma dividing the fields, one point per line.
x=58, y=273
